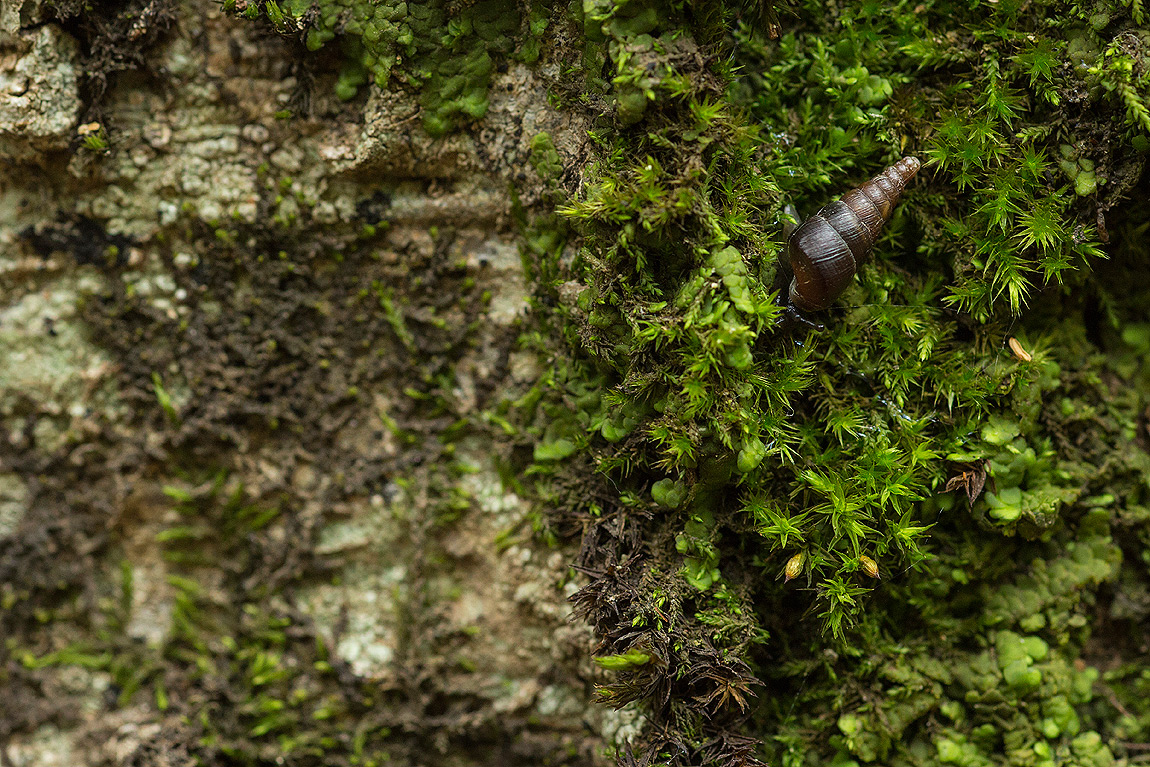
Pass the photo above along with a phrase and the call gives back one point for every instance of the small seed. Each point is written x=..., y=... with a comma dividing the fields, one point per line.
x=1019, y=352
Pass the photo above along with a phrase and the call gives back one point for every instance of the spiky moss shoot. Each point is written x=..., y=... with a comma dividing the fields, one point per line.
x=720, y=444
x=448, y=51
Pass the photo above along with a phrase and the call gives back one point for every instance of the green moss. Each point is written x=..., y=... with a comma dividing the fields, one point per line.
x=700, y=441
x=449, y=53
x=720, y=443
x=285, y=700
x=544, y=157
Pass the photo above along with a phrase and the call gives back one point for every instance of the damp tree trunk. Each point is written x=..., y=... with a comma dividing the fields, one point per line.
x=250, y=503
x=422, y=383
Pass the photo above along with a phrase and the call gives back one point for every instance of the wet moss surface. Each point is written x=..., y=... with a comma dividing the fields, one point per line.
x=914, y=534
x=950, y=511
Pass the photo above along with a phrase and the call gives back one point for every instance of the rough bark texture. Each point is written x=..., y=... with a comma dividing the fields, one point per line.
x=251, y=510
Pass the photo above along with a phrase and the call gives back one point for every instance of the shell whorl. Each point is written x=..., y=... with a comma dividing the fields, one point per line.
x=826, y=250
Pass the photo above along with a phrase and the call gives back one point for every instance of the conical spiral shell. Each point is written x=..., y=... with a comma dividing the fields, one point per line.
x=825, y=251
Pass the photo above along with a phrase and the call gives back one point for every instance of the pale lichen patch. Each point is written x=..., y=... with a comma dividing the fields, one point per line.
x=50, y=363
x=39, y=93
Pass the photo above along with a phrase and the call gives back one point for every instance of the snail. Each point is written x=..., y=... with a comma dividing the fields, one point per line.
x=825, y=251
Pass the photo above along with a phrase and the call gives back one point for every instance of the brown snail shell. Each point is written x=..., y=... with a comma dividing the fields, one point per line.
x=825, y=251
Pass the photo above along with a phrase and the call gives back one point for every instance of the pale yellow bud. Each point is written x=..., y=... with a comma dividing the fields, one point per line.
x=1019, y=352
x=794, y=566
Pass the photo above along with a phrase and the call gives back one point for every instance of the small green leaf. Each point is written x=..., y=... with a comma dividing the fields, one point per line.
x=668, y=493
x=554, y=451
x=626, y=660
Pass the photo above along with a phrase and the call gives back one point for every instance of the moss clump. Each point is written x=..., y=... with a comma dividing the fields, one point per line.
x=448, y=52
x=710, y=451
x=1003, y=682
x=544, y=157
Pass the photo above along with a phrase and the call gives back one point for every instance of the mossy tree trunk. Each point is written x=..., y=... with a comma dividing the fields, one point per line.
x=254, y=507
x=370, y=367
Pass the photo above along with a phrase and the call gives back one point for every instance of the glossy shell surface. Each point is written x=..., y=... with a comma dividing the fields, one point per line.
x=826, y=250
